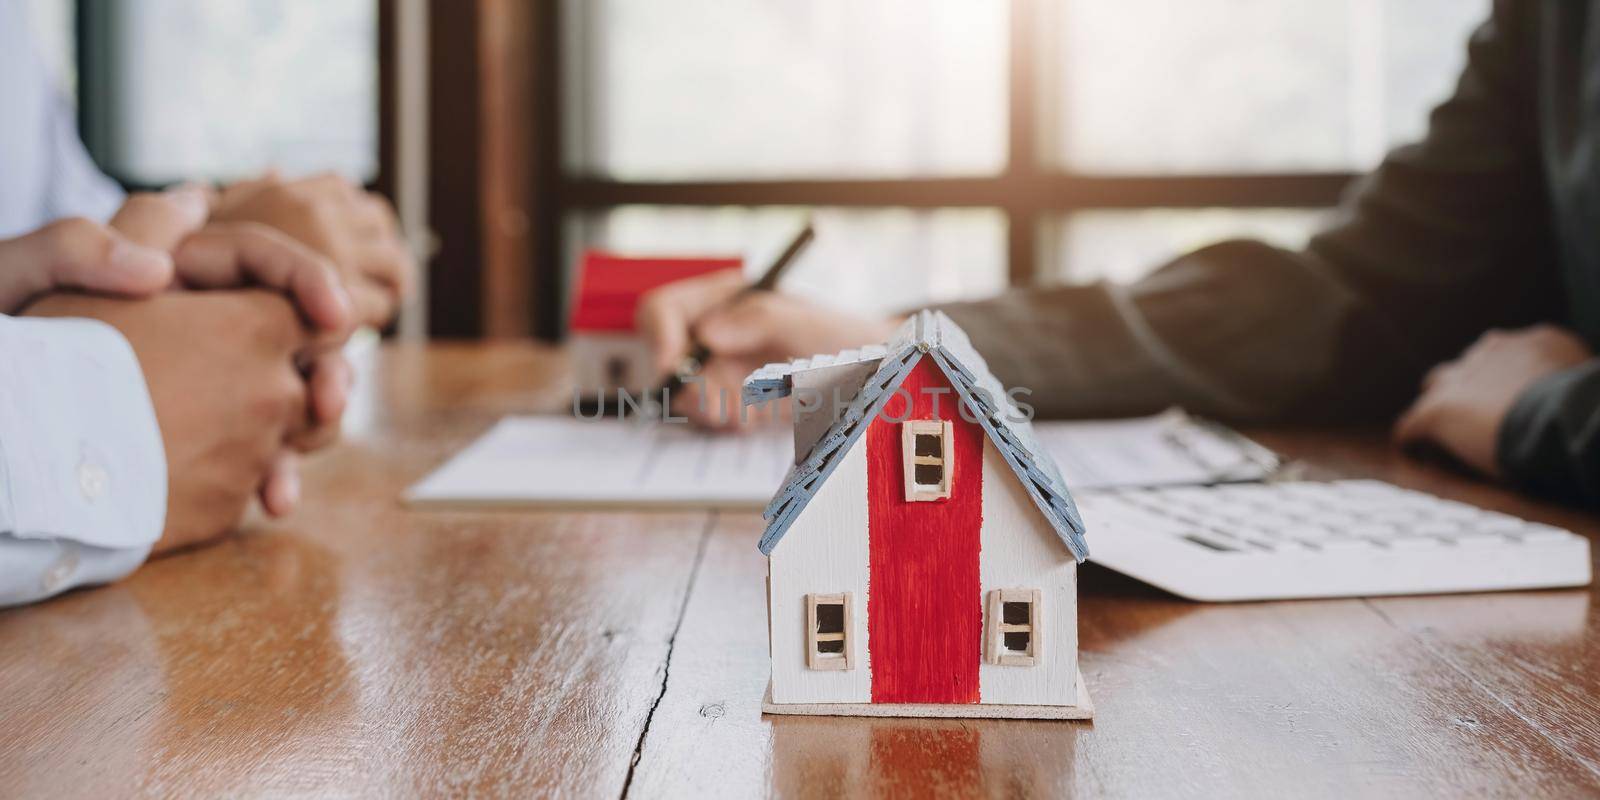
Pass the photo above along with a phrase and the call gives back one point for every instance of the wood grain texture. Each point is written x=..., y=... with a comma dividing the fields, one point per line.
x=924, y=606
x=1292, y=699
x=361, y=648
x=510, y=141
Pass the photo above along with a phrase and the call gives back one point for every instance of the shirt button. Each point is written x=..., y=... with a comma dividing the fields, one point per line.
x=55, y=578
x=92, y=480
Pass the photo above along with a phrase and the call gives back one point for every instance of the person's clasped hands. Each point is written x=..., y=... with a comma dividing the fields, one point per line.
x=236, y=323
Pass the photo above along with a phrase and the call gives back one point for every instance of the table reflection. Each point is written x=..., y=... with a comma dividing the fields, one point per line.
x=873, y=757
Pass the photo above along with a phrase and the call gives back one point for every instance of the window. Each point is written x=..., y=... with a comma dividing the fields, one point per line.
x=1224, y=86
x=617, y=371
x=1013, y=621
x=925, y=452
x=828, y=629
x=189, y=89
x=695, y=89
x=1125, y=245
x=1041, y=140
x=867, y=260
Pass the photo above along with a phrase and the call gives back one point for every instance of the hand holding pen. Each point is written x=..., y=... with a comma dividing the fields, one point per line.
x=718, y=329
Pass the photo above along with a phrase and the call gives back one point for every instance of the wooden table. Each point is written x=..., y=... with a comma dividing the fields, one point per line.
x=361, y=648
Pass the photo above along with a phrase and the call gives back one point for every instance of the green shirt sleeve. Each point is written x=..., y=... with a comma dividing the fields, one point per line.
x=1448, y=238
x=1550, y=441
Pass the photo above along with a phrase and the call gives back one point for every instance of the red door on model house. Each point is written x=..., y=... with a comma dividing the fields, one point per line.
x=924, y=519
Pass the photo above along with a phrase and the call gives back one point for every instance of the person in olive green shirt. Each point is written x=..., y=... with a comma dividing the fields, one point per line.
x=1459, y=289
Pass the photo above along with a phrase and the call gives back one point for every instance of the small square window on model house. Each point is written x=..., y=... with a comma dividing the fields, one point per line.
x=925, y=449
x=1012, y=638
x=828, y=626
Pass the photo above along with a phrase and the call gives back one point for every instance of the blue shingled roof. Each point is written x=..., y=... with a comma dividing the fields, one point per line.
x=928, y=334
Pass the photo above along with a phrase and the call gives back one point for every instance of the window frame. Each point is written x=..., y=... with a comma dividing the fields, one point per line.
x=1032, y=193
x=97, y=48
x=816, y=659
x=910, y=459
x=503, y=193
x=996, y=627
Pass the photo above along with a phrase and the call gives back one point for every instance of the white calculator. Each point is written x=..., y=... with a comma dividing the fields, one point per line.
x=1302, y=539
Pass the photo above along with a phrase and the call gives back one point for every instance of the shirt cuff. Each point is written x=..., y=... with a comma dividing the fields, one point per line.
x=34, y=569
x=82, y=467
x=1549, y=441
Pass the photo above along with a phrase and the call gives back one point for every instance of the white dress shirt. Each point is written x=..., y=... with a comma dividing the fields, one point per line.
x=45, y=173
x=83, y=477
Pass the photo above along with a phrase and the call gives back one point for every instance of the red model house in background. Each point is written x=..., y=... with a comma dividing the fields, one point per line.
x=607, y=352
x=923, y=551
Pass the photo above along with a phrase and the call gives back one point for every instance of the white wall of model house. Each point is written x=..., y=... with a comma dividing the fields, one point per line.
x=1019, y=550
x=825, y=551
x=605, y=362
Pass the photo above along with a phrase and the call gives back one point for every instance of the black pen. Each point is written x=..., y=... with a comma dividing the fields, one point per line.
x=699, y=354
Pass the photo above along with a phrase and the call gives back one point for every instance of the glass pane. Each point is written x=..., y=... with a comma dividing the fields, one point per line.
x=226, y=88
x=867, y=261
x=771, y=88
x=1123, y=246
x=830, y=618
x=1230, y=85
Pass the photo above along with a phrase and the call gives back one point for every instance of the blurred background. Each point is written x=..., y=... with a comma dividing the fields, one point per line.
x=950, y=148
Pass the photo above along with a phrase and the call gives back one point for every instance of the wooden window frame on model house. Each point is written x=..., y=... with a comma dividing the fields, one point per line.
x=994, y=641
x=909, y=431
x=815, y=658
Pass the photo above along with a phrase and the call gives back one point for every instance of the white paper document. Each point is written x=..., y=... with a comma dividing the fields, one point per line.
x=1168, y=449
x=564, y=461
x=559, y=460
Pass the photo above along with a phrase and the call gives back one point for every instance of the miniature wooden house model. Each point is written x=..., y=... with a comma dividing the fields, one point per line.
x=607, y=352
x=923, y=551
